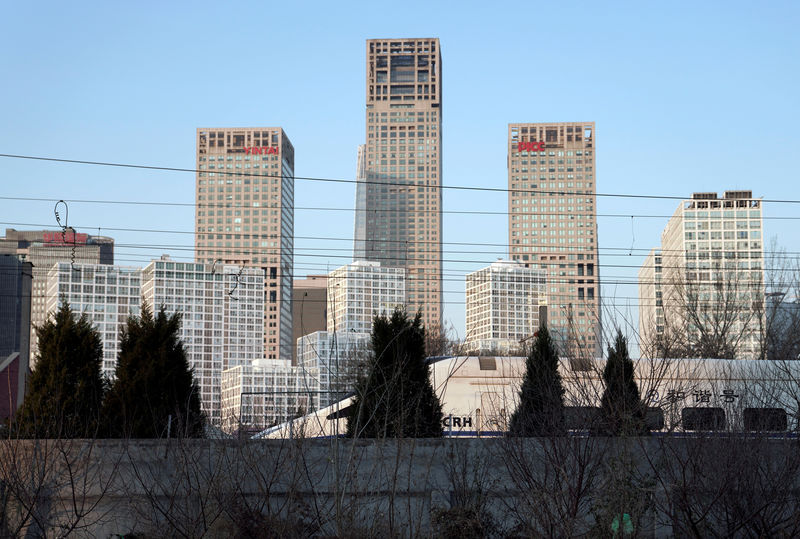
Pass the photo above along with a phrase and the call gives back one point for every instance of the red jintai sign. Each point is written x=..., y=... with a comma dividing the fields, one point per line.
x=260, y=149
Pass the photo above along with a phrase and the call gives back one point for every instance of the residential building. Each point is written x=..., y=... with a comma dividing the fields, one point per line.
x=310, y=307
x=403, y=199
x=15, y=319
x=503, y=304
x=245, y=216
x=357, y=293
x=43, y=248
x=360, y=291
x=221, y=308
x=651, y=304
x=712, y=286
x=266, y=393
x=337, y=358
x=553, y=224
x=106, y=294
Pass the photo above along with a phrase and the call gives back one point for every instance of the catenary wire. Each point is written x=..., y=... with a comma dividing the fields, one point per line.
x=364, y=182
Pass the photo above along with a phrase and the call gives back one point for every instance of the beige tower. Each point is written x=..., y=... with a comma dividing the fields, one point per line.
x=553, y=224
x=245, y=216
x=404, y=167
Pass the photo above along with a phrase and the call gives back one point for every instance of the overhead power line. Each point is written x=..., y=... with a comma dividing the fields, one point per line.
x=364, y=182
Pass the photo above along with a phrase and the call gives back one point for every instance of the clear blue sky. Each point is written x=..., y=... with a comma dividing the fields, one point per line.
x=686, y=96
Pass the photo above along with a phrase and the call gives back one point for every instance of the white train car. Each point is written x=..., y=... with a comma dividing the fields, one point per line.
x=479, y=394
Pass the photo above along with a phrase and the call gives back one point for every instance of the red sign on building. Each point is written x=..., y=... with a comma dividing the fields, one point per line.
x=65, y=238
x=531, y=146
x=261, y=149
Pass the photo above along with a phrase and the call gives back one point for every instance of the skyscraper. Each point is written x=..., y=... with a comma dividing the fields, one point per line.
x=245, y=216
x=403, y=157
x=360, y=228
x=553, y=224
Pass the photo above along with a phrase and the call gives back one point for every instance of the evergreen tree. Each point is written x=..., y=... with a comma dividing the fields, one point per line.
x=541, y=401
x=621, y=409
x=65, y=391
x=396, y=397
x=154, y=385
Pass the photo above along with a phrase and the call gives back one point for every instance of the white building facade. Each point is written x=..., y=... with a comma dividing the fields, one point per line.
x=360, y=291
x=267, y=392
x=503, y=305
x=712, y=285
x=222, y=311
x=106, y=294
x=357, y=293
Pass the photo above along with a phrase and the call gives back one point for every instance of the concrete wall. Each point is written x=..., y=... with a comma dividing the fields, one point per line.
x=557, y=487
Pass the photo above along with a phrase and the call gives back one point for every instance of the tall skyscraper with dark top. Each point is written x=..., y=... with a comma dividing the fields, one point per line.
x=245, y=216
x=403, y=167
x=553, y=224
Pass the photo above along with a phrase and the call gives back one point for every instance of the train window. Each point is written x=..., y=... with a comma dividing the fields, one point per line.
x=654, y=418
x=487, y=363
x=765, y=419
x=703, y=418
x=581, y=417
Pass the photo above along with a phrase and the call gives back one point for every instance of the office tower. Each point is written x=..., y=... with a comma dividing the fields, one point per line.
x=553, y=224
x=106, y=294
x=222, y=313
x=310, y=307
x=15, y=321
x=360, y=219
x=404, y=167
x=712, y=284
x=503, y=306
x=43, y=248
x=245, y=216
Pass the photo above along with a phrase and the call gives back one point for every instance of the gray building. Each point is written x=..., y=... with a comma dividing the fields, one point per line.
x=15, y=319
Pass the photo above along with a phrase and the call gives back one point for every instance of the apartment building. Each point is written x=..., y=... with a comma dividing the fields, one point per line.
x=712, y=296
x=503, y=306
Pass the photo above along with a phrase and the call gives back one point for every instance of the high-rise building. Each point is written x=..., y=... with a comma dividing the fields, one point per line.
x=503, y=304
x=106, y=294
x=360, y=291
x=15, y=320
x=651, y=303
x=404, y=167
x=710, y=301
x=356, y=294
x=245, y=216
x=266, y=393
x=360, y=227
x=553, y=224
x=43, y=248
x=222, y=310
x=310, y=307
